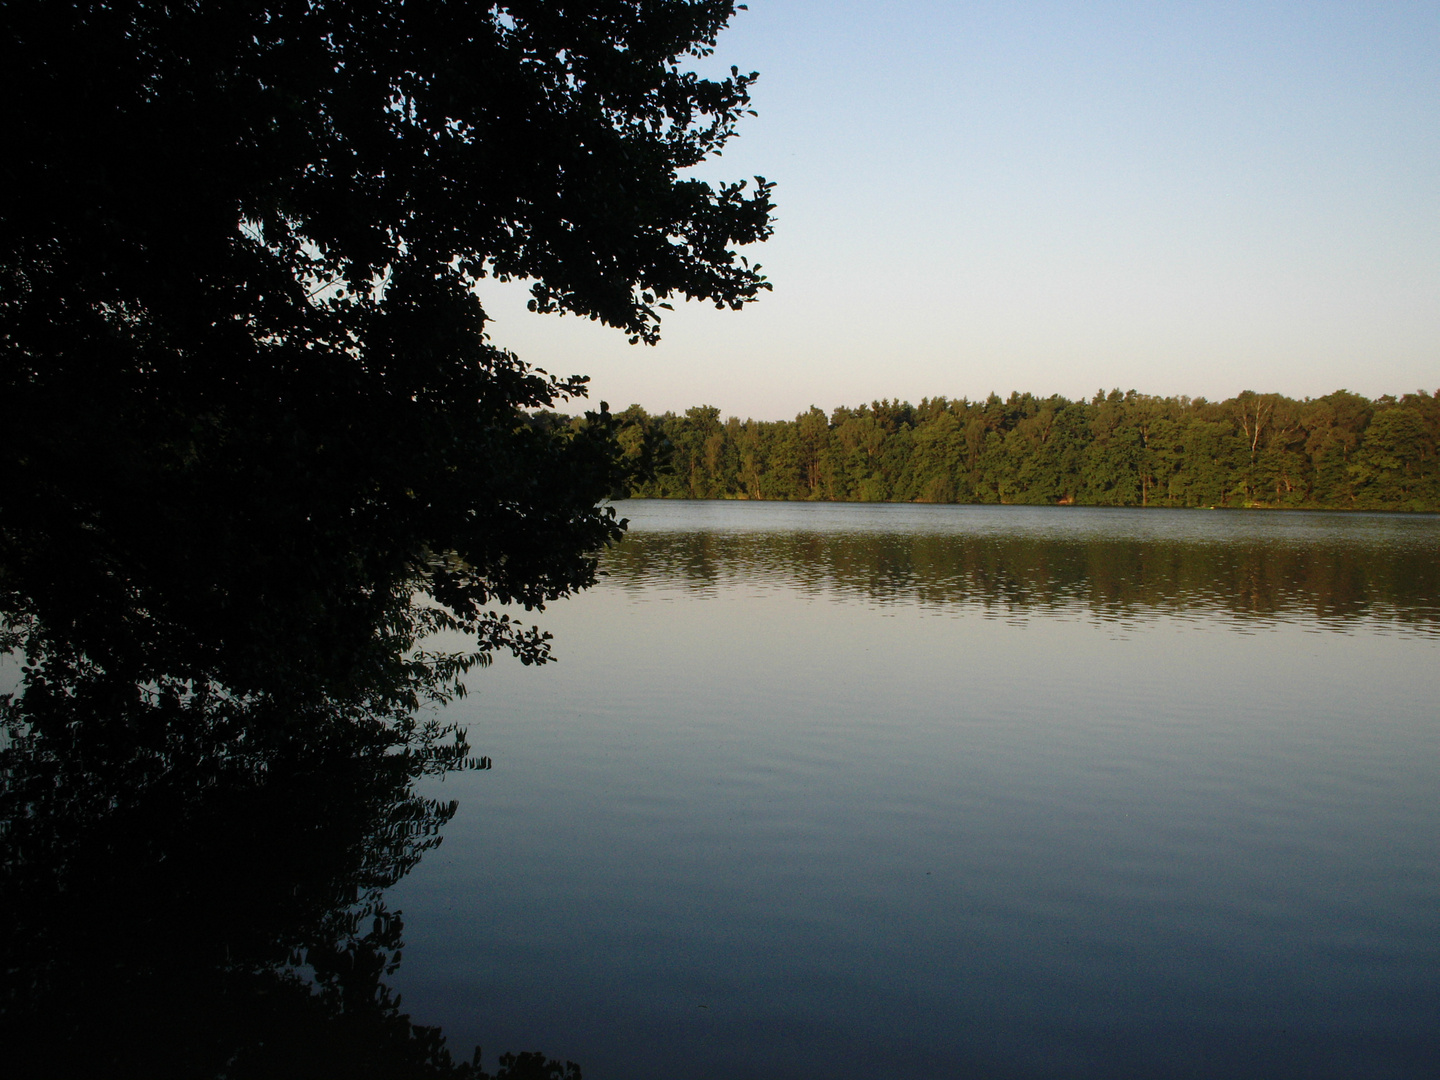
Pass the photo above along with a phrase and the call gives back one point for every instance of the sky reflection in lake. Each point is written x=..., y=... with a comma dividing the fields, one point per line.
x=901, y=791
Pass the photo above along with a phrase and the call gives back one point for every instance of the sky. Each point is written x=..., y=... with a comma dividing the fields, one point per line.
x=1178, y=198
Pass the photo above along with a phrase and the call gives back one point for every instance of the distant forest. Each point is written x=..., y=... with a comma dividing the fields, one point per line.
x=1254, y=450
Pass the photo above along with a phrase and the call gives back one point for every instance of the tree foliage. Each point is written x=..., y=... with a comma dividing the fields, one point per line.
x=1340, y=451
x=243, y=358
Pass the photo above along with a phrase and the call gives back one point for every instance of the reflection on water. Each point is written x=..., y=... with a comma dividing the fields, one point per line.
x=1327, y=569
x=889, y=792
x=193, y=885
x=770, y=816
x=193, y=878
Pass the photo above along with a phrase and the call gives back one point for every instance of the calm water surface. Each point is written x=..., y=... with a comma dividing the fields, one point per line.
x=893, y=791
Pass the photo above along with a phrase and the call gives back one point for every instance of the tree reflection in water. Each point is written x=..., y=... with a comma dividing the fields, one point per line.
x=193, y=879
x=1330, y=574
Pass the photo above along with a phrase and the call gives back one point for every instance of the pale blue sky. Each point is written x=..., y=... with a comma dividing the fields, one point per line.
x=1183, y=198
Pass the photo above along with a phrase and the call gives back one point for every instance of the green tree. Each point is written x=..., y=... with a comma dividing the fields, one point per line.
x=699, y=439
x=1113, y=459
x=1212, y=456
x=1389, y=469
x=1282, y=470
x=812, y=431
x=1334, y=424
x=937, y=457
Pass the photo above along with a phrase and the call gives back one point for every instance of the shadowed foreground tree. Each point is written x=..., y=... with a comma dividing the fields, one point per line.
x=242, y=355
x=258, y=446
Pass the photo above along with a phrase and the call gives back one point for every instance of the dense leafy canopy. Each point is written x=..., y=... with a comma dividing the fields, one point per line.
x=1340, y=451
x=242, y=356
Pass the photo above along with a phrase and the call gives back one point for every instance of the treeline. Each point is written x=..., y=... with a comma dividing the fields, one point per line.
x=1262, y=450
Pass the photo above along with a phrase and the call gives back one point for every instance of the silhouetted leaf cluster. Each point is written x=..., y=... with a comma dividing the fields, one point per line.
x=243, y=358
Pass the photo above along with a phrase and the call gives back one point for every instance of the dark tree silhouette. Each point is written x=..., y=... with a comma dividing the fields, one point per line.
x=258, y=446
x=243, y=361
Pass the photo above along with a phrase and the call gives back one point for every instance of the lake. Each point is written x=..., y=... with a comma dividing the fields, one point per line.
x=866, y=790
